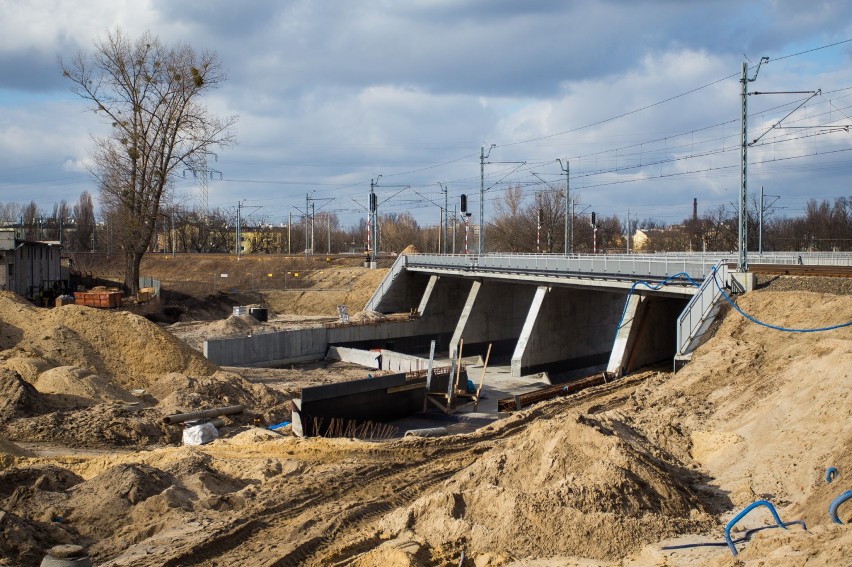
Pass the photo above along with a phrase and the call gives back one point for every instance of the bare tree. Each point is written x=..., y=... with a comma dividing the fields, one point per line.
x=10, y=214
x=150, y=93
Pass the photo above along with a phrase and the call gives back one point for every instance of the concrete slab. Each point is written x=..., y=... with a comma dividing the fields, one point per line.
x=365, y=358
x=499, y=383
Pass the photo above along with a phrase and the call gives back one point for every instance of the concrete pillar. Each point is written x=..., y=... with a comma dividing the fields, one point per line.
x=465, y=315
x=624, y=336
x=526, y=331
x=427, y=294
x=573, y=332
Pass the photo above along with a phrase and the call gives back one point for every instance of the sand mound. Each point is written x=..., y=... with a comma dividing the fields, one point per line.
x=566, y=477
x=73, y=386
x=18, y=398
x=24, y=541
x=332, y=287
x=28, y=367
x=180, y=393
x=101, y=425
x=367, y=316
x=410, y=249
x=127, y=347
x=49, y=478
x=750, y=387
x=101, y=503
x=233, y=325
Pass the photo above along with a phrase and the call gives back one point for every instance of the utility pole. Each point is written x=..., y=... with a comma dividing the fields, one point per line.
x=482, y=157
x=310, y=214
x=446, y=214
x=289, y=234
x=538, y=233
x=307, y=218
x=627, y=231
x=594, y=234
x=374, y=232
x=760, y=225
x=455, y=213
x=239, y=241
x=569, y=222
x=742, y=233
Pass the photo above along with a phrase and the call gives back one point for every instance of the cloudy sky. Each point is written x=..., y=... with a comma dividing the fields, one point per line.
x=640, y=98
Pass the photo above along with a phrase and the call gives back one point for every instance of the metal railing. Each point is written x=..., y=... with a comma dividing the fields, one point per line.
x=699, y=307
x=617, y=267
x=396, y=268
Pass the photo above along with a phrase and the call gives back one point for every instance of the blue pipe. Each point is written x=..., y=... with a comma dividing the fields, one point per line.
x=767, y=325
x=748, y=509
x=830, y=474
x=832, y=510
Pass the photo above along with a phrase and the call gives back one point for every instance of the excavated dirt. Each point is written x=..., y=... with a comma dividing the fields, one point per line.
x=642, y=471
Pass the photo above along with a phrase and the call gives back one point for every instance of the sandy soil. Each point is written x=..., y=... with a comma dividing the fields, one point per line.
x=637, y=472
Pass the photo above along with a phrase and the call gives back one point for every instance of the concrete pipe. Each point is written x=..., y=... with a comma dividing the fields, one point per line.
x=66, y=556
x=204, y=414
x=427, y=432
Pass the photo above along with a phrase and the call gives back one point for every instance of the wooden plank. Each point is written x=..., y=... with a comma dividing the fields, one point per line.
x=482, y=378
x=406, y=387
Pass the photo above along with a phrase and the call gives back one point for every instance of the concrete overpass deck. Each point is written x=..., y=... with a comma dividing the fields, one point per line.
x=565, y=315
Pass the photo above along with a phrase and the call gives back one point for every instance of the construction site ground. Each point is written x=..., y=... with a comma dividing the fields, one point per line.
x=641, y=471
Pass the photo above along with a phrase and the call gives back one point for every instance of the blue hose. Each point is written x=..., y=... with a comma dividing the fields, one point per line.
x=830, y=474
x=767, y=325
x=748, y=509
x=652, y=287
x=832, y=509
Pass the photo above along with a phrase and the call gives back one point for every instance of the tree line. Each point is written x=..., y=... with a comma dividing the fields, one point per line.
x=520, y=225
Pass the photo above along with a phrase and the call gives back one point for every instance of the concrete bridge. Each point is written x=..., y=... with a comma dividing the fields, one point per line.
x=552, y=313
x=566, y=315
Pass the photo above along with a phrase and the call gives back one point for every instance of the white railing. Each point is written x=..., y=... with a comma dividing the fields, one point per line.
x=700, y=306
x=610, y=266
x=396, y=268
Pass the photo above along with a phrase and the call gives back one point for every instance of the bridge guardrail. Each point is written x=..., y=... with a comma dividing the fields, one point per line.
x=620, y=267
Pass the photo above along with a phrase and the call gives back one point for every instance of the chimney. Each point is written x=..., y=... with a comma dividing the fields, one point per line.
x=695, y=209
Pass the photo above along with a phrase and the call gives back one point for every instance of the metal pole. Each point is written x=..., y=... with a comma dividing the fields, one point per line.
x=569, y=221
x=573, y=214
x=374, y=232
x=289, y=234
x=481, y=203
x=238, y=244
x=440, y=228
x=627, y=231
x=466, y=231
x=742, y=235
x=455, y=216
x=760, y=225
x=313, y=218
x=328, y=224
x=307, y=211
x=594, y=239
x=538, y=234
x=446, y=216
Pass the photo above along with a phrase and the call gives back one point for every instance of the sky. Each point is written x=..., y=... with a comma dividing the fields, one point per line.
x=639, y=98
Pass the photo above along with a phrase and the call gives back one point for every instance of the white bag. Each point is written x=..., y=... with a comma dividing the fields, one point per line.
x=200, y=434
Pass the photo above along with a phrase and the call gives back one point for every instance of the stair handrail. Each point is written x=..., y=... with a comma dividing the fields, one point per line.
x=396, y=268
x=706, y=296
